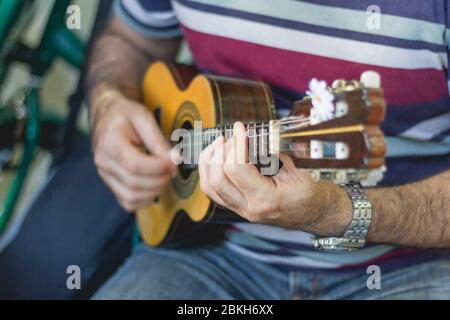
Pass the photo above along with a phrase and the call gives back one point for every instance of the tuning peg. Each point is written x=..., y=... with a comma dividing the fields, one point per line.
x=316, y=149
x=339, y=84
x=341, y=108
x=371, y=79
x=342, y=151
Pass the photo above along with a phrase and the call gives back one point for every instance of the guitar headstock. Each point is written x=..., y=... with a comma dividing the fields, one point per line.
x=335, y=132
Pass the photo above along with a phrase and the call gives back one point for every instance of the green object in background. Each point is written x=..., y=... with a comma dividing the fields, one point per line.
x=30, y=143
x=56, y=42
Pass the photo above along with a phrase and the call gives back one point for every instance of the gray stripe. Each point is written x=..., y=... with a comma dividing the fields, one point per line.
x=404, y=147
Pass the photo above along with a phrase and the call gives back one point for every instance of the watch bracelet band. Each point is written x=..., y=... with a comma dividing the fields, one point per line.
x=355, y=236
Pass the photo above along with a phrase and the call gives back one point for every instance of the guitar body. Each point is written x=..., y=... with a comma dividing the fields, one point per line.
x=178, y=97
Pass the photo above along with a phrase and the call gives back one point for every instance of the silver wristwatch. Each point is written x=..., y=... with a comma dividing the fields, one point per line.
x=355, y=236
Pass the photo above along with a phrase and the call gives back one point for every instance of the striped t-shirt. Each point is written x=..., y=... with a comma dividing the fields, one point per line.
x=288, y=42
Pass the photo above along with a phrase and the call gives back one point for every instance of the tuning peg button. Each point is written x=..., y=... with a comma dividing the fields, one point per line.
x=339, y=84
x=371, y=79
x=316, y=149
x=342, y=151
x=341, y=108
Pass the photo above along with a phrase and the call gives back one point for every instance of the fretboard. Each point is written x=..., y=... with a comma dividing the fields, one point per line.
x=258, y=140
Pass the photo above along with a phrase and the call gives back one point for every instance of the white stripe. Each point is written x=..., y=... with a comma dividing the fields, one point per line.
x=342, y=18
x=291, y=261
x=428, y=129
x=150, y=18
x=275, y=233
x=300, y=41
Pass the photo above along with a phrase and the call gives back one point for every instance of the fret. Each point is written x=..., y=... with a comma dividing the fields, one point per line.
x=252, y=143
x=228, y=132
x=264, y=142
x=258, y=140
x=204, y=139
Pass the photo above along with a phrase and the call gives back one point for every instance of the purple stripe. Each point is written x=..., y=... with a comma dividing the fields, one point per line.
x=155, y=5
x=401, y=118
x=339, y=33
x=432, y=11
x=442, y=136
x=145, y=26
x=403, y=170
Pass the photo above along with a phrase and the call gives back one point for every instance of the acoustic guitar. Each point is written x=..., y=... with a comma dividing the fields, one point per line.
x=344, y=145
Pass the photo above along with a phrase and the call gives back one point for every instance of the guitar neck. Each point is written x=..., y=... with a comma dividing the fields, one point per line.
x=257, y=134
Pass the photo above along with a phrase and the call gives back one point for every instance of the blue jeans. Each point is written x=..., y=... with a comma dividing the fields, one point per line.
x=220, y=273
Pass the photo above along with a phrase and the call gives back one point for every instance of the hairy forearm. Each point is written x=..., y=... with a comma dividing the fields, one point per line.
x=115, y=64
x=416, y=214
x=119, y=60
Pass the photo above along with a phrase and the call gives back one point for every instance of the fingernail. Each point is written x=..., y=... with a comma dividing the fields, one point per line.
x=238, y=126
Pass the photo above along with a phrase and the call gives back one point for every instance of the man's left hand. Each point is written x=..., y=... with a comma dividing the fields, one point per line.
x=290, y=199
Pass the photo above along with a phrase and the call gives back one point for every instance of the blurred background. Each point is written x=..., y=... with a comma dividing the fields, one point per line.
x=52, y=203
x=56, y=215
x=58, y=83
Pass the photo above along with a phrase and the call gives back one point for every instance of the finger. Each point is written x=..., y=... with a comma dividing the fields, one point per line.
x=126, y=193
x=137, y=162
x=135, y=182
x=206, y=159
x=148, y=130
x=203, y=161
x=130, y=199
x=246, y=176
x=240, y=143
x=140, y=181
x=221, y=185
x=207, y=153
x=116, y=190
x=139, y=205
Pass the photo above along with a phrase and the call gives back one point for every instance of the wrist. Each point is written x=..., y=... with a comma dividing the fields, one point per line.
x=336, y=212
x=101, y=96
x=99, y=92
x=343, y=212
x=354, y=237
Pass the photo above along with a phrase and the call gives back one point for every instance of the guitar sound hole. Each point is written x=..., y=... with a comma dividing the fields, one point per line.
x=158, y=115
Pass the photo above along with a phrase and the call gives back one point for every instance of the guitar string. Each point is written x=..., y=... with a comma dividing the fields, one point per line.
x=216, y=132
x=211, y=131
x=283, y=150
x=210, y=135
x=289, y=120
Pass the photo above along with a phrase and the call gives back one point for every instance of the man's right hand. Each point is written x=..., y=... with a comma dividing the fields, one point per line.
x=121, y=130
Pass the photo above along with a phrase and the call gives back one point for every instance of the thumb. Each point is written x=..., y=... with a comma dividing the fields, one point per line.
x=148, y=130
